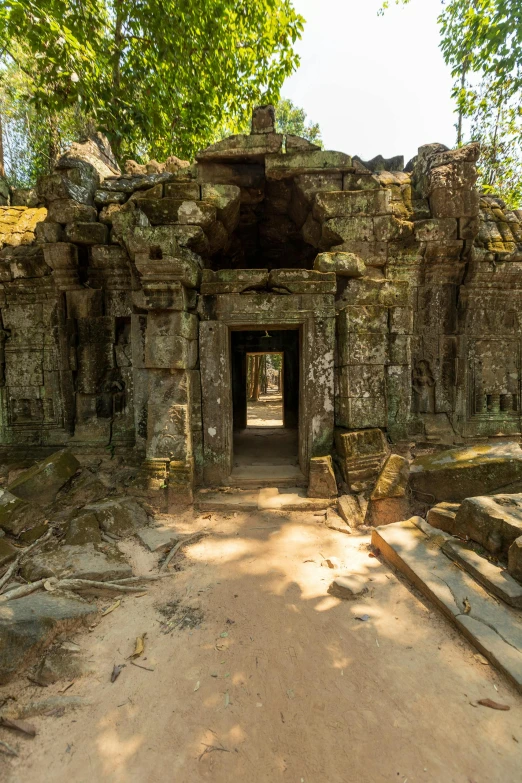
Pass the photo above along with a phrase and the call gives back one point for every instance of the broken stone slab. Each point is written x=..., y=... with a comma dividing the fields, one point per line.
x=393, y=478
x=41, y=482
x=515, y=559
x=494, y=629
x=118, y=517
x=334, y=521
x=493, y=522
x=349, y=586
x=455, y=474
x=343, y=264
x=321, y=478
x=350, y=510
x=494, y=578
x=158, y=539
x=83, y=529
x=443, y=516
x=17, y=515
x=100, y=562
x=30, y=624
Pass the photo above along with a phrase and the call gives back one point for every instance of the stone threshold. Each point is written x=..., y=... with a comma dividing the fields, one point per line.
x=266, y=499
x=266, y=476
x=414, y=548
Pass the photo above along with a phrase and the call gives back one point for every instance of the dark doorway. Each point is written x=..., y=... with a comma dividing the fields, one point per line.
x=265, y=368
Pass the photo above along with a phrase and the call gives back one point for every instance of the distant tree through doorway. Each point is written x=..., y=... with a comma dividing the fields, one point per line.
x=265, y=390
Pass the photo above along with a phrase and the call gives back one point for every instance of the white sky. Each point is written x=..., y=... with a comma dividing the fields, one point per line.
x=374, y=84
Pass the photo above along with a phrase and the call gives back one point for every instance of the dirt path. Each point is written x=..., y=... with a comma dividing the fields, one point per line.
x=280, y=682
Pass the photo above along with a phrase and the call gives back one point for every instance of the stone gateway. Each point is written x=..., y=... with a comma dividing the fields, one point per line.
x=129, y=311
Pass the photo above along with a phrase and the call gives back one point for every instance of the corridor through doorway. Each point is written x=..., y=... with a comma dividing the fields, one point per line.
x=265, y=398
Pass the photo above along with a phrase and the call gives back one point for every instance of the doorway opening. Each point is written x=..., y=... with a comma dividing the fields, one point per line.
x=265, y=390
x=265, y=399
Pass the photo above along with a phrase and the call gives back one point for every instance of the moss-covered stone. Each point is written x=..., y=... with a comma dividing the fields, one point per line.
x=456, y=474
x=41, y=482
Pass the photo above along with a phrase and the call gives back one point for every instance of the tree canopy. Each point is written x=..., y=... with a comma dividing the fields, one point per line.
x=292, y=119
x=158, y=76
x=481, y=41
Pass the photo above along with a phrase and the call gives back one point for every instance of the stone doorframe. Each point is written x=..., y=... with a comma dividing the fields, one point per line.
x=314, y=316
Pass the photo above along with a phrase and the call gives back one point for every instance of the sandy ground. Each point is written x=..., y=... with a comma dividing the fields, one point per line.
x=280, y=681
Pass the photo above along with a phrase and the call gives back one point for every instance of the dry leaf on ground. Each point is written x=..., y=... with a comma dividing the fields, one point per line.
x=139, y=646
x=112, y=607
x=494, y=705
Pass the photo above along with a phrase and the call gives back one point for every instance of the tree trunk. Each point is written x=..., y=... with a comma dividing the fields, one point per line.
x=256, y=379
x=2, y=161
x=116, y=74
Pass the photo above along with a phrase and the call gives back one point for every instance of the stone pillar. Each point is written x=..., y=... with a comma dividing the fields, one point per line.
x=217, y=407
x=165, y=348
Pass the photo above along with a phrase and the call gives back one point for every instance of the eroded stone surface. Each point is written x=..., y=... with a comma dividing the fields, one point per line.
x=321, y=479
x=28, y=625
x=41, y=482
x=100, y=562
x=494, y=522
x=456, y=474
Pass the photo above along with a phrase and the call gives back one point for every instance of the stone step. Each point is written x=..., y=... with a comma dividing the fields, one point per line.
x=263, y=476
x=493, y=628
x=266, y=499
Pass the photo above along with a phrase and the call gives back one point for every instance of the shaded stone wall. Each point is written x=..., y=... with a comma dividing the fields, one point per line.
x=115, y=320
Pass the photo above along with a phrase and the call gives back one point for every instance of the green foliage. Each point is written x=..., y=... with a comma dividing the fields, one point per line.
x=292, y=119
x=158, y=76
x=481, y=40
x=32, y=138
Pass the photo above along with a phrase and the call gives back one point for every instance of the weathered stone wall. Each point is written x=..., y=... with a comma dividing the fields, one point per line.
x=104, y=315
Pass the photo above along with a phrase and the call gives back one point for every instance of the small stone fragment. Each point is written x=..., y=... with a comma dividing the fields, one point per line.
x=321, y=479
x=515, y=559
x=349, y=586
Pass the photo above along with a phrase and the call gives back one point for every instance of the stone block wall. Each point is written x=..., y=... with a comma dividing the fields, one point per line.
x=107, y=315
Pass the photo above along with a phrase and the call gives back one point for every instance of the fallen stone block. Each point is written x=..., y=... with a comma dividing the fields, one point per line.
x=17, y=515
x=158, y=539
x=456, y=474
x=343, y=264
x=100, y=562
x=30, y=624
x=385, y=511
x=443, y=516
x=41, y=482
x=350, y=510
x=118, y=517
x=321, y=478
x=393, y=478
x=494, y=578
x=361, y=454
x=494, y=522
x=83, y=529
x=515, y=560
x=349, y=586
x=494, y=629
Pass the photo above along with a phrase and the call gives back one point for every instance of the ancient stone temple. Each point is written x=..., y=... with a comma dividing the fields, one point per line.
x=393, y=294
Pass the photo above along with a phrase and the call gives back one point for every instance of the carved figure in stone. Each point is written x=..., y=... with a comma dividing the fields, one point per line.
x=424, y=387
